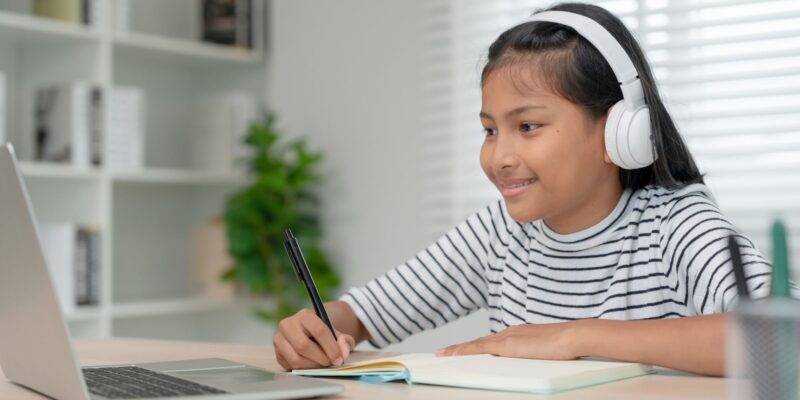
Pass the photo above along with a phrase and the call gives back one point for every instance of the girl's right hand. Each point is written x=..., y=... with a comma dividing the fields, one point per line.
x=304, y=341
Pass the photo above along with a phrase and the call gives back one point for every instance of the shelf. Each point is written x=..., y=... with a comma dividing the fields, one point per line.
x=176, y=306
x=139, y=45
x=28, y=29
x=32, y=169
x=177, y=176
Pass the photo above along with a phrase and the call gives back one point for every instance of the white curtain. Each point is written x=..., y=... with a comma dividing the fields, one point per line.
x=729, y=71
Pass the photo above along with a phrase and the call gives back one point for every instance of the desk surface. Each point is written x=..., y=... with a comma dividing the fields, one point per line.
x=665, y=384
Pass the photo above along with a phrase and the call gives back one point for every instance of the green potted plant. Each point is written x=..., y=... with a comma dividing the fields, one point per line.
x=281, y=195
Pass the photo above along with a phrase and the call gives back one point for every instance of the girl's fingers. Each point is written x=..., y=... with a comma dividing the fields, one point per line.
x=346, y=344
x=476, y=346
x=304, y=346
x=291, y=359
x=447, y=351
x=282, y=361
x=322, y=337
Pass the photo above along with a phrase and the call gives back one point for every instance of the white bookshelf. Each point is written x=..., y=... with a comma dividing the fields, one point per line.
x=145, y=216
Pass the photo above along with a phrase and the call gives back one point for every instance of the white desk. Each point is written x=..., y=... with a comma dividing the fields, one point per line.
x=666, y=384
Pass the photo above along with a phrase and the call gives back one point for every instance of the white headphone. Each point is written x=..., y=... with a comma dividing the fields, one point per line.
x=628, y=139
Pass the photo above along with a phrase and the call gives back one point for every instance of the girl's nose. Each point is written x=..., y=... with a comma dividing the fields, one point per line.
x=505, y=154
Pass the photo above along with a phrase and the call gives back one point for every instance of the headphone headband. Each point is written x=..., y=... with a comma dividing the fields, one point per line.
x=604, y=42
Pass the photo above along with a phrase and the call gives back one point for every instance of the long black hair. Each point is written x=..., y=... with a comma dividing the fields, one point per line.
x=576, y=70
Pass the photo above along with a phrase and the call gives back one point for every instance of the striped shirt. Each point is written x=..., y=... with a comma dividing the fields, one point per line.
x=660, y=253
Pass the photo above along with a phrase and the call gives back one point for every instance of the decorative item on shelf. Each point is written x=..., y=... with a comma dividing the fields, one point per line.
x=280, y=196
x=77, y=11
x=228, y=22
x=221, y=126
x=211, y=260
x=72, y=253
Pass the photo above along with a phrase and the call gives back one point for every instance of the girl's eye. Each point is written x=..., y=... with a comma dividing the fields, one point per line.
x=489, y=132
x=528, y=126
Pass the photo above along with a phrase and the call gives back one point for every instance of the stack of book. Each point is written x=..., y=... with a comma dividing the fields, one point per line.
x=70, y=126
x=72, y=253
x=228, y=22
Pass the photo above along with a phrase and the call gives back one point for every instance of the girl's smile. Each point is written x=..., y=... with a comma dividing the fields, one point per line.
x=513, y=187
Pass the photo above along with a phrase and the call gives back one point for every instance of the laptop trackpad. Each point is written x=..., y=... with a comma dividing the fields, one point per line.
x=225, y=377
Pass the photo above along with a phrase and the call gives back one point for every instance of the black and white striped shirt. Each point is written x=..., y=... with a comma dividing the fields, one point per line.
x=660, y=254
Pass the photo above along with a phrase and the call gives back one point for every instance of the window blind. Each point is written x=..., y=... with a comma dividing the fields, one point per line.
x=729, y=71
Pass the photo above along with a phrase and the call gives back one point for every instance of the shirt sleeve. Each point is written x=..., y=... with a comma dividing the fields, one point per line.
x=443, y=282
x=695, y=242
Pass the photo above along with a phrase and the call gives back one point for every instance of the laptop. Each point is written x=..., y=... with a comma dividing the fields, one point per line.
x=35, y=347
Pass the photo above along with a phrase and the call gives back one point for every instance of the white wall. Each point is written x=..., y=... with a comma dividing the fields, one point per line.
x=347, y=74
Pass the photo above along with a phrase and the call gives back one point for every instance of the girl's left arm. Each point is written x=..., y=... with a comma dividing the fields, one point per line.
x=693, y=344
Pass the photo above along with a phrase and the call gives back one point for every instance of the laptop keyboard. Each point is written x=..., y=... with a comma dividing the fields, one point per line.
x=139, y=383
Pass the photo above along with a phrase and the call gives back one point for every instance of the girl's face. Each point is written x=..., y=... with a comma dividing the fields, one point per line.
x=545, y=154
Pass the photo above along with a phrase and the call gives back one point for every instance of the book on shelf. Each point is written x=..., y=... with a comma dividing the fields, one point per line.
x=77, y=11
x=70, y=126
x=72, y=254
x=125, y=138
x=3, y=111
x=228, y=22
x=485, y=371
x=64, y=118
x=223, y=121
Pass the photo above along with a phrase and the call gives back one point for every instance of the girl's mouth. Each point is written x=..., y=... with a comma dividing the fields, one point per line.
x=513, y=189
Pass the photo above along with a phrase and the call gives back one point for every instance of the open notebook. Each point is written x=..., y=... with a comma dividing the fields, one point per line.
x=485, y=371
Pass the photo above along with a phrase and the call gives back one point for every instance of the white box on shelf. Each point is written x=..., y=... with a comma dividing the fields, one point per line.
x=223, y=123
x=59, y=247
x=3, y=111
x=67, y=128
x=125, y=129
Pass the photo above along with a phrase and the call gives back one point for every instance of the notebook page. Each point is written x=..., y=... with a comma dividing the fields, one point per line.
x=516, y=374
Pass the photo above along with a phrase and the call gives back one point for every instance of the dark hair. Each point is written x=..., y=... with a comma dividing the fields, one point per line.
x=575, y=69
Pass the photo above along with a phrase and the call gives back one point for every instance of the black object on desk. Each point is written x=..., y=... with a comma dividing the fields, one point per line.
x=304, y=275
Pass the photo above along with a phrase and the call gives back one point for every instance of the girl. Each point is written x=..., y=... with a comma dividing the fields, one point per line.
x=581, y=257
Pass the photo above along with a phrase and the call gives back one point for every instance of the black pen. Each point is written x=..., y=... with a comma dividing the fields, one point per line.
x=304, y=275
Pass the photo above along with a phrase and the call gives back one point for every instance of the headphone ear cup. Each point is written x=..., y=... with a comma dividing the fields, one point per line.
x=628, y=140
x=612, y=126
x=640, y=140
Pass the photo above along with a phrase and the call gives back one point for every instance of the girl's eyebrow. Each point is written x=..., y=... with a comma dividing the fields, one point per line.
x=516, y=111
